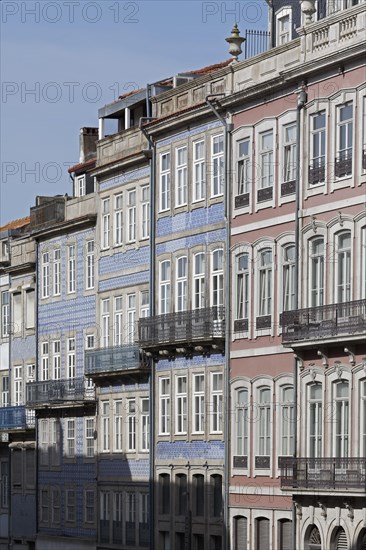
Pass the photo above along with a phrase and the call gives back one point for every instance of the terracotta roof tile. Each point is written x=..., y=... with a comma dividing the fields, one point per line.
x=16, y=224
x=127, y=94
x=77, y=167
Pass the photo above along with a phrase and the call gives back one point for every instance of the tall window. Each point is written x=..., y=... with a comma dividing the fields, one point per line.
x=242, y=286
x=45, y=275
x=105, y=223
x=56, y=505
x=131, y=425
x=71, y=268
x=90, y=263
x=316, y=272
x=70, y=438
x=181, y=404
x=240, y=532
x=283, y=29
x=363, y=418
x=317, y=148
x=5, y=314
x=17, y=317
x=144, y=425
x=57, y=272
x=164, y=490
x=130, y=518
x=165, y=287
x=71, y=363
x=265, y=282
x=89, y=506
x=199, y=170
x=181, y=176
x=344, y=140
x=105, y=322
x=80, y=186
x=242, y=422
x=104, y=419
x=181, y=493
x=70, y=504
x=343, y=273
x=45, y=361
x=244, y=170
x=198, y=403
x=56, y=360
x=288, y=277
x=264, y=417
x=217, y=182
x=145, y=211
x=216, y=491
x=164, y=405
x=118, y=425
x=30, y=308
x=216, y=402
x=131, y=216
x=262, y=534
x=341, y=424
x=144, y=304
x=118, y=321
x=181, y=297
x=217, y=278
x=165, y=182
x=266, y=160
x=131, y=316
x=89, y=437
x=118, y=219
x=287, y=421
x=18, y=385
x=315, y=428
x=289, y=153
x=198, y=495
x=199, y=280
x=5, y=391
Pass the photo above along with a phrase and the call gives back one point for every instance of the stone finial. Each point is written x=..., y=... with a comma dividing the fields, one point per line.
x=308, y=9
x=235, y=41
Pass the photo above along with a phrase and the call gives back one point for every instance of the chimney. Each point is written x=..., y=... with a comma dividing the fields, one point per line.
x=88, y=143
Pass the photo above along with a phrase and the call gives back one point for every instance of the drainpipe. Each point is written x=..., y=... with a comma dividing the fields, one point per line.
x=301, y=100
x=10, y=334
x=227, y=162
x=37, y=358
x=151, y=155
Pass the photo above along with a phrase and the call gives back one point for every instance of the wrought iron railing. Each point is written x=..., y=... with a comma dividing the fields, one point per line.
x=17, y=417
x=343, y=164
x=70, y=391
x=317, y=171
x=113, y=359
x=256, y=42
x=323, y=473
x=184, y=327
x=314, y=323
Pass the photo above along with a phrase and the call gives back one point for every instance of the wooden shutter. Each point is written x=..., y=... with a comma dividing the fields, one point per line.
x=17, y=468
x=30, y=468
x=341, y=540
x=241, y=533
x=286, y=534
x=262, y=542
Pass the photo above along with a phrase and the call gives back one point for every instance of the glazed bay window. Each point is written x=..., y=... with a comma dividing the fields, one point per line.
x=241, y=428
x=181, y=176
x=217, y=278
x=266, y=165
x=104, y=420
x=244, y=168
x=316, y=278
x=45, y=374
x=289, y=160
x=90, y=265
x=45, y=288
x=5, y=314
x=315, y=420
x=164, y=406
x=57, y=272
x=181, y=289
x=56, y=360
x=216, y=402
x=343, y=267
x=343, y=160
x=181, y=405
x=198, y=403
x=71, y=268
x=217, y=181
x=341, y=420
x=131, y=425
x=131, y=216
x=131, y=318
x=288, y=277
x=118, y=219
x=242, y=293
x=265, y=289
x=104, y=310
x=144, y=425
x=105, y=222
x=287, y=421
x=199, y=168
x=164, y=287
x=118, y=321
x=70, y=439
x=198, y=281
x=145, y=212
x=317, y=148
x=164, y=182
x=71, y=360
x=262, y=460
x=118, y=425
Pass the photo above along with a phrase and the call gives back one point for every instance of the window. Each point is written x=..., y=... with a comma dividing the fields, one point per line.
x=244, y=168
x=165, y=287
x=55, y=438
x=56, y=360
x=289, y=153
x=70, y=498
x=343, y=267
x=144, y=519
x=105, y=425
x=262, y=534
x=71, y=270
x=4, y=484
x=217, y=181
x=80, y=186
x=216, y=404
x=89, y=437
x=181, y=176
x=264, y=428
x=198, y=403
x=117, y=518
x=131, y=216
x=118, y=321
x=144, y=304
x=57, y=272
x=315, y=416
x=45, y=275
x=105, y=322
x=165, y=182
x=316, y=272
x=17, y=313
x=131, y=316
x=363, y=419
x=18, y=385
x=90, y=263
x=89, y=506
x=30, y=309
x=164, y=413
x=199, y=280
x=164, y=486
x=266, y=164
x=288, y=277
x=181, y=493
x=5, y=314
x=118, y=219
x=104, y=516
x=105, y=223
x=283, y=27
x=145, y=212
x=242, y=424
x=181, y=275
x=317, y=148
x=181, y=404
x=199, y=495
x=71, y=363
x=285, y=534
x=43, y=443
x=341, y=423
x=216, y=488
x=217, y=278
x=199, y=170
x=240, y=531
x=70, y=439
x=343, y=161
x=131, y=425
x=118, y=425
x=5, y=391
x=242, y=288
x=144, y=425
x=44, y=505
x=130, y=518
x=265, y=282
x=89, y=341
x=287, y=421
x=45, y=361
x=56, y=505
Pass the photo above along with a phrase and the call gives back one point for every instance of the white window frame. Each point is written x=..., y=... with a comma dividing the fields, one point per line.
x=131, y=425
x=342, y=418
x=45, y=274
x=283, y=36
x=241, y=422
x=131, y=216
x=164, y=202
x=118, y=320
x=318, y=145
x=144, y=425
x=105, y=219
x=199, y=168
x=18, y=384
x=105, y=426
x=217, y=176
x=181, y=404
x=287, y=412
x=71, y=357
x=70, y=441
x=315, y=410
x=289, y=153
x=343, y=268
x=264, y=433
x=56, y=360
x=199, y=279
x=45, y=371
x=144, y=304
x=5, y=391
x=89, y=437
x=90, y=265
x=57, y=272
x=266, y=160
x=181, y=298
x=242, y=287
x=216, y=398
x=118, y=219
x=198, y=403
x=217, y=277
x=131, y=318
x=118, y=425
x=243, y=167
x=288, y=277
x=104, y=318
x=345, y=134
x=145, y=211
x=80, y=186
x=316, y=273
x=164, y=405
x=164, y=287
x=71, y=268
x=265, y=283
x=181, y=176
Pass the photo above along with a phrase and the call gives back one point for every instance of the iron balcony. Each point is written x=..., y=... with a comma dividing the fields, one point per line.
x=114, y=360
x=347, y=319
x=16, y=418
x=185, y=332
x=323, y=474
x=71, y=392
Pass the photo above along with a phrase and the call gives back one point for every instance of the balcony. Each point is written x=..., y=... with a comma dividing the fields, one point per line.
x=347, y=319
x=186, y=332
x=72, y=392
x=114, y=360
x=49, y=211
x=323, y=474
x=16, y=418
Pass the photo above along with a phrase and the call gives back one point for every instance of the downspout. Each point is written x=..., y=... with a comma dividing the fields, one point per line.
x=301, y=100
x=10, y=333
x=37, y=359
x=151, y=155
x=227, y=160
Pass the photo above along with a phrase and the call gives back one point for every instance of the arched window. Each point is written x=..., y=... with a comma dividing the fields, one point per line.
x=240, y=532
x=164, y=490
x=164, y=287
x=340, y=540
x=216, y=491
x=262, y=528
x=343, y=267
x=316, y=272
x=313, y=541
x=287, y=421
x=285, y=534
x=242, y=291
x=199, y=494
x=341, y=424
x=262, y=460
x=241, y=428
x=288, y=277
x=217, y=278
x=265, y=289
x=181, y=289
x=315, y=422
x=198, y=281
x=181, y=492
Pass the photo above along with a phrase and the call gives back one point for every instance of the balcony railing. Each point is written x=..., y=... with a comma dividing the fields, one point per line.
x=316, y=323
x=70, y=392
x=113, y=360
x=323, y=473
x=16, y=418
x=343, y=164
x=184, y=329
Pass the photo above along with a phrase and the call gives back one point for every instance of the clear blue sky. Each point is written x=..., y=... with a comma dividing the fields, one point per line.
x=78, y=55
